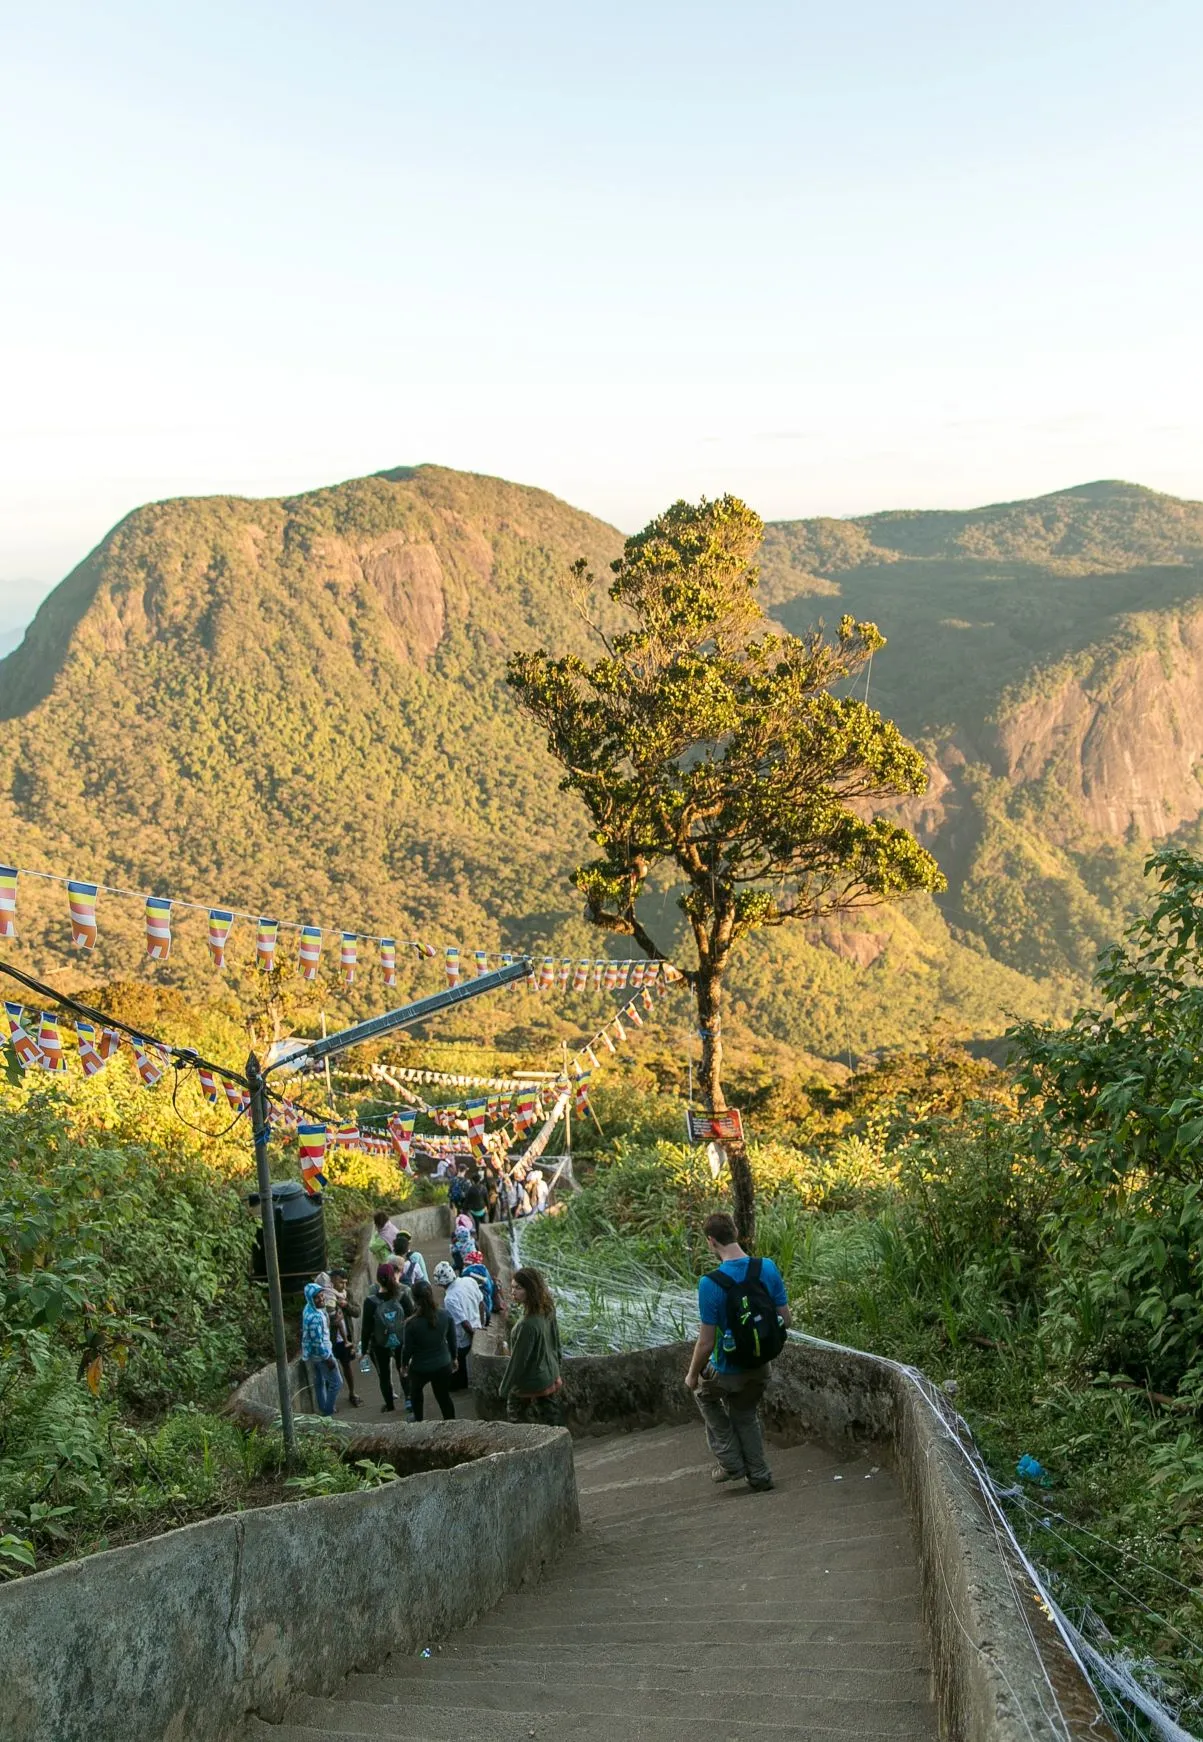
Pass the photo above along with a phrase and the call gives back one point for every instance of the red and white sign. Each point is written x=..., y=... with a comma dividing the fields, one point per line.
x=715, y=1127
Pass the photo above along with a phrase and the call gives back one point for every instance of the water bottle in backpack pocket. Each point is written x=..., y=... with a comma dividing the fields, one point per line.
x=387, y=1326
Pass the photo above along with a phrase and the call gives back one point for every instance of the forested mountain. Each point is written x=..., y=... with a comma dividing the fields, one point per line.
x=299, y=706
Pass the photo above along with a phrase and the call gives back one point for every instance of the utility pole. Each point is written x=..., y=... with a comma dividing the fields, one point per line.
x=271, y=1262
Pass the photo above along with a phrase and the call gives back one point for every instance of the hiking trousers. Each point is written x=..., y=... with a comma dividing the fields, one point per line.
x=730, y=1404
x=439, y=1382
x=325, y=1382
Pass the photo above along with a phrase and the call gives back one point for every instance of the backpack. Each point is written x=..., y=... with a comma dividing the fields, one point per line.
x=386, y=1329
x=753, y=1335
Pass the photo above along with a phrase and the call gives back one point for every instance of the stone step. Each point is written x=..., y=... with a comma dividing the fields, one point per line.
x=741, y=1614
x=869, y=1581
x=785, y=1701
x=321, y=1721
x=790, y=1632
x=873, y=1681
x=558, y=1658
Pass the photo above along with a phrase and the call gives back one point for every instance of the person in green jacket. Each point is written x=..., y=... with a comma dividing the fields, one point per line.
x=531, y=1384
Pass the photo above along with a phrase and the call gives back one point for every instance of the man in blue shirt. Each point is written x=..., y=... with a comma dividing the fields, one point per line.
x=729, y=1395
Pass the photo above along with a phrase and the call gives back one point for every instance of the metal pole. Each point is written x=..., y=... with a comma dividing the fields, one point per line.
x=567, y=1104
x=271, y=1261
x=329, y=1078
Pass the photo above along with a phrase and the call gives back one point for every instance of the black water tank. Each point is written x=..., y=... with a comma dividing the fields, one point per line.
x=300, y=1235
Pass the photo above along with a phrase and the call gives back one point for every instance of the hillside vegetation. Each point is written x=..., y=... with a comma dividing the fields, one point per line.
x=299, y=705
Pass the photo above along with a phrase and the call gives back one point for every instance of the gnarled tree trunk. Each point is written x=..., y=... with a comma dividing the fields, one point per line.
x=708, y=989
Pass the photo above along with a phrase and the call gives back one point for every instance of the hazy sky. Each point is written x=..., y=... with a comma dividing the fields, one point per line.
x=832, y=257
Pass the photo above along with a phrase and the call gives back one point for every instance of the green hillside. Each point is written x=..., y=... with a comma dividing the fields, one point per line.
x=298, y=705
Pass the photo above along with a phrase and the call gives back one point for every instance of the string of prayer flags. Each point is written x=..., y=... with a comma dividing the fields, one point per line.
x=547, y=974
x=312, y=1144
x=8, y=901
x=452, y=959
x=481, y=958
x=158, y=928
x=265, y=944
x=582, y=1093
x=347, y=1137
x=388, y=960
x=220, y=922
x=348, y=956
x=110, y=1042
x=81, y=898
x=85, y=1039
x=50, y=1044
x=631, y=1012
x=309, y=952
x=401, y=1135
x=477, y=1112
x=208, y=1083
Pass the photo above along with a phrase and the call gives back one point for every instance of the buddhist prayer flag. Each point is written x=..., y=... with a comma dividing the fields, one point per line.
x=482, y=962
x=85, y=1039
x=158, y=928
x=637, y=974
x=81, y=898
x=453, y=964
x=388, y=960
x=208, y=1083
x=650, y=972
x=310, y=951
x=8, y=901
x=312, y=1143
x=582, y=1093
x=476, y=1111
x=580, y=978
x=610, y=979
x=605, y=1035
x=624, y=969
x=233, y=1092
x=50, y=1043
x=564, y=973
x=592, y=1057
x=349, y=956
x=14, y=1013
x=524, y=1110
x=401, y=1135
x=24, y=1045
x=648, y=1000
x=150, y=1064
x=618, y=1028
x=220, y=921
x=547, y=974
x=347, y=1136
x=110, y=1042
x=632, y=1014
x=599, y=968
x=265, y=944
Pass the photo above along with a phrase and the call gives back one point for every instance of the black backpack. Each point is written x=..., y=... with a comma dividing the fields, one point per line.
x=754, y=1333
x=387, y=1327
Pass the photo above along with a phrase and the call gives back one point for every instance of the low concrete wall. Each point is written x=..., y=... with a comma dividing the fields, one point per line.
x=178, y=1639
x=991, y=1682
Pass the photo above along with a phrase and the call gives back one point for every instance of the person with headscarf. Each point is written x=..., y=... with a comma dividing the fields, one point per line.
x=317, y=1351
x=465, y=1303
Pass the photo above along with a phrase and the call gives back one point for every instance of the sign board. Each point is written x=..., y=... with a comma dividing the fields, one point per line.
x=715, y=1127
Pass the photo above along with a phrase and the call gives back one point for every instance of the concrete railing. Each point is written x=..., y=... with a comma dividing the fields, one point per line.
x=180, y=1638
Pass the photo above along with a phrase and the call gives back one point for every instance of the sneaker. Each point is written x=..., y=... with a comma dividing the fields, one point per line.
x=718, y=1474
x=761, y=1487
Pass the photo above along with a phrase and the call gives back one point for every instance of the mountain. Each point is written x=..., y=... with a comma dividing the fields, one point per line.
x=298, y=705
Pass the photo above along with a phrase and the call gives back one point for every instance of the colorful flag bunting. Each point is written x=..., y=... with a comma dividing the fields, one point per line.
x=599, y=969
x=265, y=944
x=476, y=1112
x=564, y=974
x=220, y=922
x=524, y=1110
x=85, y=1039
x=582, y=1093
x=8, y=901
x=309, y=952
x=401, y=1135
x=349, y=956
x=347, y=1137
x=150, y=1063
x=481, y=957
x=610, y=978
x=580, y=978
x=624, y=969
x=158, y=927
x=81, y=898
x=24, y=1045
x=312, y=1144
x=648, y=1001
x=388, y=960
x=110, y=1042
x=208, y=1083
x=453, y=964
x=632, y=1014
x=547, y=974
x=637, y=975
x=50, y=1043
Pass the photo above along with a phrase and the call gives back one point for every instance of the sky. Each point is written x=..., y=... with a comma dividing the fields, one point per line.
x=831, y=258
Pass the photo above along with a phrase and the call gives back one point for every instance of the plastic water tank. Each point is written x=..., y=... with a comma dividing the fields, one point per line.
x=300, y=1235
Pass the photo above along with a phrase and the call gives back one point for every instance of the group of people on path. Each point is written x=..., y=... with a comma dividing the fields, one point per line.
x=742, y=1308
x=406, y=1332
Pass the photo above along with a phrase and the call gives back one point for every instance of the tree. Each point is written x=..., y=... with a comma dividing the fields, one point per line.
x=706, y=738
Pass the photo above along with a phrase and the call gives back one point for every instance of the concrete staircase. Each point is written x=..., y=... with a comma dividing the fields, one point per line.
x=683, y=1608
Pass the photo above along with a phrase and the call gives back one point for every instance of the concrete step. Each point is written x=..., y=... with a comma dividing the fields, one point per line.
x=782, y=1703
x=872, y=1580
x=742, y=1616
x=873, y=1682
x=638, y=1658
x=321, y=1721
x=787, y=1633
